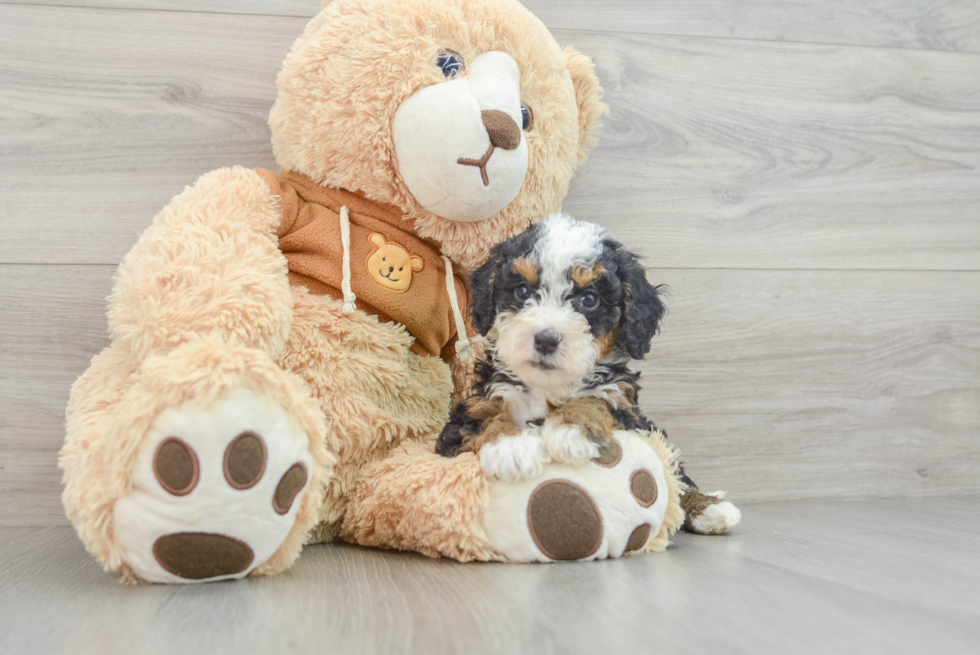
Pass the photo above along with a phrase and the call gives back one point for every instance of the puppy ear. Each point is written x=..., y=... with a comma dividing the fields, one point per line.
x=644, y=308
x=482, y=282
x=587, y=96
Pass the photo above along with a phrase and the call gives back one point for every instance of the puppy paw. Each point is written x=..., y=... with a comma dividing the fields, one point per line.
x=513, y=458
x=567, y=444
x=719, y=517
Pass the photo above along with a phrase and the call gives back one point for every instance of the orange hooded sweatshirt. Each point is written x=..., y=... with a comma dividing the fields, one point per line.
x=394, y=274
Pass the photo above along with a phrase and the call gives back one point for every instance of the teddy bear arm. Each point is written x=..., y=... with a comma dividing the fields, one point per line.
x=209, y=265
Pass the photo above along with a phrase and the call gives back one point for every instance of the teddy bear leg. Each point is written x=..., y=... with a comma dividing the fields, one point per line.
x=624, y=501
x=211, y=465
x=190, y=454
x=420, y=501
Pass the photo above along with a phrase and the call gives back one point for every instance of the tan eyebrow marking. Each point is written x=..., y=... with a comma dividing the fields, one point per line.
x=583, y=276
x=525, y=268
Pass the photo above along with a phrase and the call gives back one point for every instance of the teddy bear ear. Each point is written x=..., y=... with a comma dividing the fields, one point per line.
x=417, y=263
x=588, y=95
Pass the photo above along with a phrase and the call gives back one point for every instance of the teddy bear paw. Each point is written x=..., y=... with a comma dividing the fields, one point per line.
x=215, y=490
x=513, y=458
x=567, y=444
x=609, y=507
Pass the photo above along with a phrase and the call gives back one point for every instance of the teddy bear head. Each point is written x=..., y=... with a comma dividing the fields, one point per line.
x=464, y=114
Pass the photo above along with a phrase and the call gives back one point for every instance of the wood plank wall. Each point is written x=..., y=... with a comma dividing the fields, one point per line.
x=805, y=176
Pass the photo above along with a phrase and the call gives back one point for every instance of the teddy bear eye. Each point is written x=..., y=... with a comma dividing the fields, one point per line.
x=451, y=63
x=527, y=116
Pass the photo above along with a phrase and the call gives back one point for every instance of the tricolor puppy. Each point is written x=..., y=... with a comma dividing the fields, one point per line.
x=564, y=308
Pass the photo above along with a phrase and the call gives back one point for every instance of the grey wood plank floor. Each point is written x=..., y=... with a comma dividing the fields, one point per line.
x=718, y=153
x=897, y=576
x=928, y=24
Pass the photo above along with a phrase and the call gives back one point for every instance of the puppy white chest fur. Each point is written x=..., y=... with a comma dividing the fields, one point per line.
x=526, y=405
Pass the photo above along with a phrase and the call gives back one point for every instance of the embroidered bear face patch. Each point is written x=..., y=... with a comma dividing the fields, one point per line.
x=390, y=265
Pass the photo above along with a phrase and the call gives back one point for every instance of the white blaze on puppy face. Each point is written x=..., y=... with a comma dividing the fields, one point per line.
x=564, y=244
x=439, y=125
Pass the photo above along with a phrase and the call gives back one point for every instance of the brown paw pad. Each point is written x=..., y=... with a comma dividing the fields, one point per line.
x=245, y=459
x=643, y=486
x=610, y=454
x=289, y=485
x=176, y=467
x=564, y=520
x=638, y=538
x=200, y=555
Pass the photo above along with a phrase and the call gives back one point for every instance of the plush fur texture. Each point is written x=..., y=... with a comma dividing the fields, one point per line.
x=417, y=500
x=202, y=304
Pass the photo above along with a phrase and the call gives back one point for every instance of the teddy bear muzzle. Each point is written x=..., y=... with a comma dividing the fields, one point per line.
x=474, y=170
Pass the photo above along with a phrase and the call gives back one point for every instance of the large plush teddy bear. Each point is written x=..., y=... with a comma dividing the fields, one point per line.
x=285, y=344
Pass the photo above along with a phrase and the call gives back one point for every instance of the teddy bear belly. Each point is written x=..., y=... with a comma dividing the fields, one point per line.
x=607, y=508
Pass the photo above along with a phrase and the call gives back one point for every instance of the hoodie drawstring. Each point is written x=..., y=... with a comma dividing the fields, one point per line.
x=349, y=297
x=463, y=345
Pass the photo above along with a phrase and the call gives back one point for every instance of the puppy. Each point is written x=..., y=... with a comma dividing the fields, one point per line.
x=564, y=308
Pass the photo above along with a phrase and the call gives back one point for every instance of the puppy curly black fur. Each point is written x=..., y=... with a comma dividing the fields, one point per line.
x=564, y=308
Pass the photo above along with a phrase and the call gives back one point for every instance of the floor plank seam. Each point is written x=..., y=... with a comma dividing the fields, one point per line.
x=671, y=35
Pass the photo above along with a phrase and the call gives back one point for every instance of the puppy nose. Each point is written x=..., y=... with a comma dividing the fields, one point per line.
x=502, y=129
x=546, y=341
x=391, y=268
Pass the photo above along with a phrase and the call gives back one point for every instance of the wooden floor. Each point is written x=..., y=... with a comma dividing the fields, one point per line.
x=898, y=576
x=804, y=175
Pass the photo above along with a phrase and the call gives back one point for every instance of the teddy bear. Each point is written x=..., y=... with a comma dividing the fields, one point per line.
x=285, y=345
x=258, y=363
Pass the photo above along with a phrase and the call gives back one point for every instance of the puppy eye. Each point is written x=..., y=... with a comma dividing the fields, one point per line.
x=450, y=63
x=527, y=116
x=523, y=292
x=588, y=301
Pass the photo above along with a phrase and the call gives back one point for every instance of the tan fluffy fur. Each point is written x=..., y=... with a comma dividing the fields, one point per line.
x=417, y=500
x=674, y=517
x=528, y=270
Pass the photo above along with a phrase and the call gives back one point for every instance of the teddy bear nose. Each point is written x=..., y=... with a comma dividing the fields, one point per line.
x=504, y=132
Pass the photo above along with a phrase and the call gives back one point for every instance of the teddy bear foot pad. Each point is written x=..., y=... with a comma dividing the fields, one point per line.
x=215, y=490
x=609, y=507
